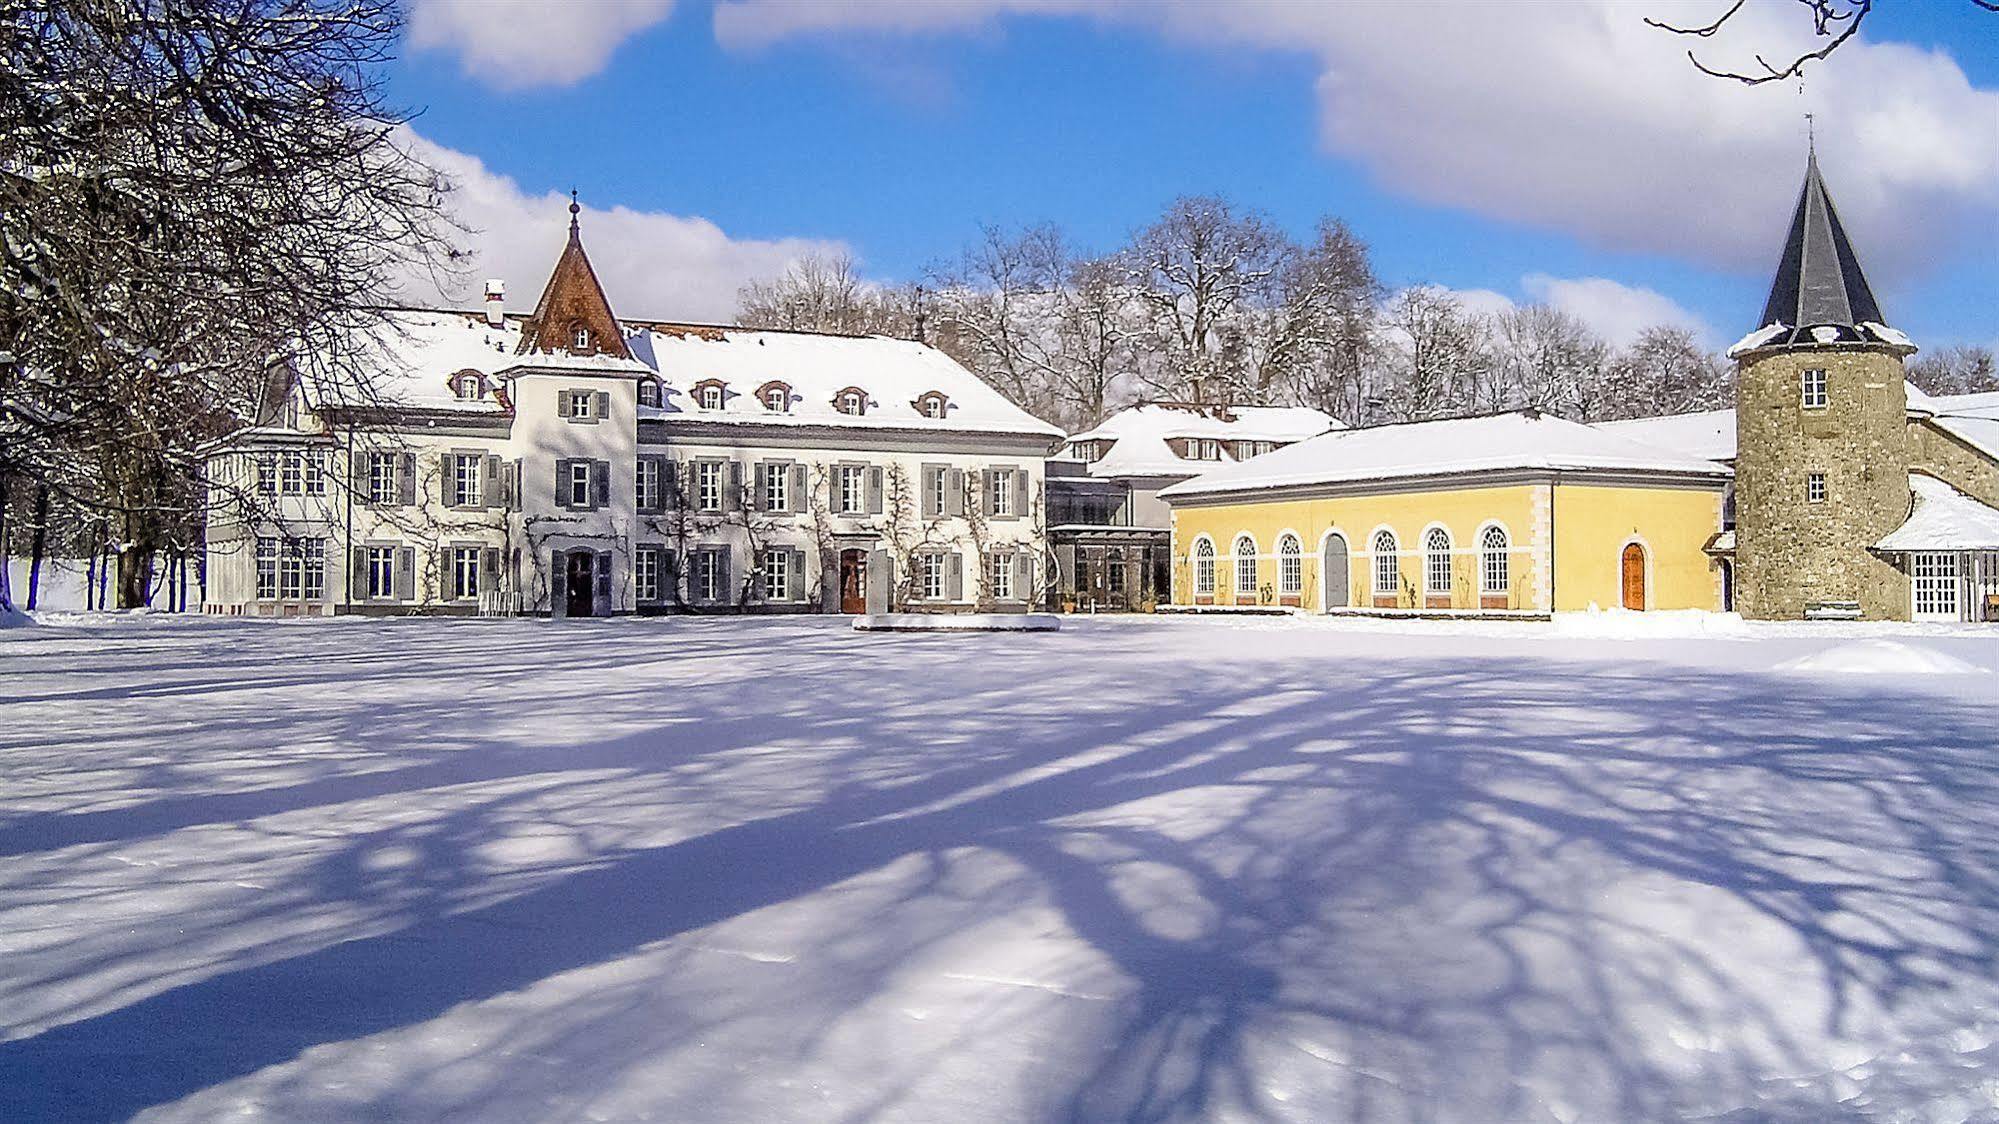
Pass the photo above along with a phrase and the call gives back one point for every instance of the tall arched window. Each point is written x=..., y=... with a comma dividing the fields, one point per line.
x=1290, y=566
x=1387, y=577
x=1494, y=568
x=1204, y=567
x=1437, y=561
x=1245, y=565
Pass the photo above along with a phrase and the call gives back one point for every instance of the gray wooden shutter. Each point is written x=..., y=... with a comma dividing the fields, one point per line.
x=561, y=403
x=489, y=570
x=956, y=589
x=760, y=488
x=669, y=576
x=405, y=589
x=874, y=490
x=558, y=583
x=406, y=479
x=359, y=575
x=444, y=474
x=669, y=484
x=600, y=484
x=603, y=405
x=725, y=575
x=1023, y=576
x=604, y=579
x=495, y=496
x=954, y=493
x=795, y=496
x=933, y=492
x=562, y=482
x=1020, y=496
x=732, y=499
x=798, y=580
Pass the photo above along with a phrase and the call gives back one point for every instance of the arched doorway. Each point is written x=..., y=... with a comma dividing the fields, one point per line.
x=1634, y=576
x=1333, y=577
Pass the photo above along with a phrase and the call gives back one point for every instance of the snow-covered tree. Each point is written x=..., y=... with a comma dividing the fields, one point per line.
x=1955, y=370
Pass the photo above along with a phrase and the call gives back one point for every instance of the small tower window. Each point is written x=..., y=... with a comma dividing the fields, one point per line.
x=580, y=339
x=1813, y=387
x=649, y=392
x=1815, y=487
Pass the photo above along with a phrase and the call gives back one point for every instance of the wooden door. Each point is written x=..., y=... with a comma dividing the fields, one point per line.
x=581, y=580
x=1333, y=573
x=1634, y=576
x=853, y=581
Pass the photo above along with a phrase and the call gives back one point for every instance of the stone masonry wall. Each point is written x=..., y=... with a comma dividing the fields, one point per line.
x=1791, y=553
x=1945, y=457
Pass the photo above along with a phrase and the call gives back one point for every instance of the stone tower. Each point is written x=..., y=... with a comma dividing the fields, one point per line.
x=1821, y=469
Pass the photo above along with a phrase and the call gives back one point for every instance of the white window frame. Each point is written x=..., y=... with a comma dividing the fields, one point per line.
x=1237, y=557
x=465, y=572
x=1814, y=387
x=711, y=396
x=1387, y=559
x=1204, y=566
x=580, y=338
x=708, y=574
x=314, y=471
x=291, y=473
x=853, y=489
x=934, y=406
x=314, y=551
x=1290, y=565
x=1437, y=562
x=381, y=477
x=1815, y=487
x=1495, y=560
x=267, y=472
x=579, y=483
x=930, y=576
x=645, y=572
x=268, y=549
x=708, y=486
x=465, y=483
x=582, y=404
x=999, y=487
x=777, y=487
x=380, y=571
x=776, y=566
x=853, y=402
x=1934, y=580
x=646, y=483
x=999, y=572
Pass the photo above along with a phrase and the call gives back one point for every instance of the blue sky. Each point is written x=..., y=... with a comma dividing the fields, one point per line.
x=897, y=142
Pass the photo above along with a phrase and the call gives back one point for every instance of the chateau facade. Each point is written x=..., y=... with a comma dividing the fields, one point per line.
x=571, y=463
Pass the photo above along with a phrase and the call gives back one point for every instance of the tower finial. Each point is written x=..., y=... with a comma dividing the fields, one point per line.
x=575, y=208
x=1811, y=137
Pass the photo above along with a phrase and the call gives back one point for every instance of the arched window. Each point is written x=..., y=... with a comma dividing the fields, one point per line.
x=1290, y=566
x=932, y=404
x=649, y=392
x=1204, y=567
x=1387, y=578
x=775, y=396
x=709, y=396
x=1245, y=565
x=852, y=400
x=1437, y=561
x=1494, y=566
x=469, y=384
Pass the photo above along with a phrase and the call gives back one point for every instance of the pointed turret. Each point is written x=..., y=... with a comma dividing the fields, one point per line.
x=573, y=316
x=1820, y=295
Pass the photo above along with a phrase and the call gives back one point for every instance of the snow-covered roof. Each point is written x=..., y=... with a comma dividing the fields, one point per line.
x=1971, y=418
x=417, y=352
x=1709, y=434
x=1140, y=434
x=1516, y=441
x=895, y=374
x=1943, y=518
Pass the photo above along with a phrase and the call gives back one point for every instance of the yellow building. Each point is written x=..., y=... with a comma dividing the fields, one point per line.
x=1516, y=513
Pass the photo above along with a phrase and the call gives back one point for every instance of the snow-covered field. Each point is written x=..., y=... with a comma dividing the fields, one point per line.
x=777, y=870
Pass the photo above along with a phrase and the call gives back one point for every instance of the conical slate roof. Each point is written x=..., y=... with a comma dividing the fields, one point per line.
x=1819, y=294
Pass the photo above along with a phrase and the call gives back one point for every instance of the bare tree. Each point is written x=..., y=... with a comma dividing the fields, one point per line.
x=1197, y=270
x=1955, y=370
x=1834, y=22
x=194, y=198
x=1434, y=353
x=1666, y=371
x=826, y=294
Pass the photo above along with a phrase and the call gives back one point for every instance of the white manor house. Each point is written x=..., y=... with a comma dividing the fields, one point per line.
x=573, y=464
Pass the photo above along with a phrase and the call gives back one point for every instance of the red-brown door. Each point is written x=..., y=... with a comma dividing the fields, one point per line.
x=1634, y=576
x=853, y=581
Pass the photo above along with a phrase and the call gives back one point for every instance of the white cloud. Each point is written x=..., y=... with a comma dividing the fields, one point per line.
x=514, y=44
x=652, y=264
x=1573, y=116
x=1614, y=310
x=1617, y=311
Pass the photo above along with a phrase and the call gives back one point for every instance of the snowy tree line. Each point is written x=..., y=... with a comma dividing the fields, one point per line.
x=1215, y=297
x=193, y=196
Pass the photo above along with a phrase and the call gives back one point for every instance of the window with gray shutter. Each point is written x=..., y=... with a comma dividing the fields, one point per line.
x=406, y=479
x=874, y=490
x=669, y=486
x=955, y=589
x=725, y=582
x=406, y=574
x=797, y=498
x=799, y=584
x=1020, y=494
x=562, y=483
x=495, y=496
x=760, y=487
x=934, y=477
x=445, y=477
x=1023, y=576
x=600, y=486
x=562, y=399
x=733, y=499
x=489, y=571
x=954, y=493
x=603, y=403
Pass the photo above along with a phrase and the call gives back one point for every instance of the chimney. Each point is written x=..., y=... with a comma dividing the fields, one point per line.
x=496, y=303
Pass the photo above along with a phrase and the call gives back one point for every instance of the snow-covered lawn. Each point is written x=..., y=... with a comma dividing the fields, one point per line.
x=777, y=870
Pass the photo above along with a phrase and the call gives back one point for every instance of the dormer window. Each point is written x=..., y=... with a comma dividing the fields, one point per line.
x=709, y=394
x=932, y=405
x=468, y=385
x=852, y=400
x=1204, y=449
x=579, y=338
x=649, y=392
x=775, y=396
